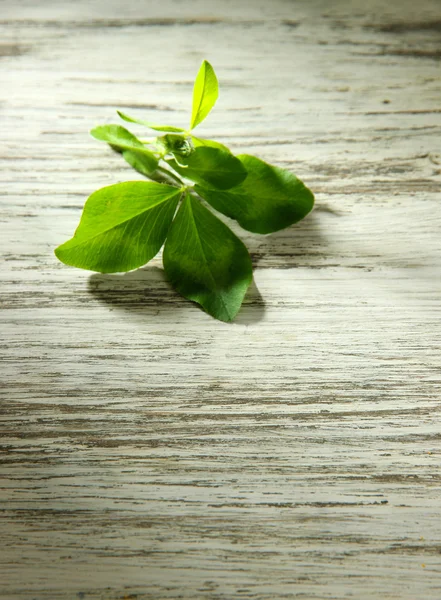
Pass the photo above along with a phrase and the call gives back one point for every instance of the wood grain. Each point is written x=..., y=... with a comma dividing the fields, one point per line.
x=151, y=452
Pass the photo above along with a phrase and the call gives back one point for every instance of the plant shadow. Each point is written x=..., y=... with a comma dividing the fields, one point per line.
x=147, y=294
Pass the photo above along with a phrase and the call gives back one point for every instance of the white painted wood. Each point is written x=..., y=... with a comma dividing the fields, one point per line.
x=151, y=452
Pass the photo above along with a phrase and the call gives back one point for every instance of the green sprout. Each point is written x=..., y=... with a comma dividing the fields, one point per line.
x=123, y=226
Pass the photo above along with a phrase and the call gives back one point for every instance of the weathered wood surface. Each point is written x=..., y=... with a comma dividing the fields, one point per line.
x=150, y=452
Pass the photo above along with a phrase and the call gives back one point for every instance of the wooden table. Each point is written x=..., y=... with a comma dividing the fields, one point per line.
x=150, y=452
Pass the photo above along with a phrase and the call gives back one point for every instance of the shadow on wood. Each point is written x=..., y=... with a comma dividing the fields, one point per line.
x=147, y=293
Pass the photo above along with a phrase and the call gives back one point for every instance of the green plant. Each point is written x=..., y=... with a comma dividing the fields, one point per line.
x=123, y=226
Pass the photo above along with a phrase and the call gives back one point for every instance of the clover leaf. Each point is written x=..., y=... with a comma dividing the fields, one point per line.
x=124, y=226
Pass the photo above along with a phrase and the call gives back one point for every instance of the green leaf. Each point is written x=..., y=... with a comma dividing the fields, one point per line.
x=121, y=139
x=269, y=199
x=150, y=125
x=122, y=227
x=206, y=262
x=205, y=93
x=211, y=167
x=139, y=161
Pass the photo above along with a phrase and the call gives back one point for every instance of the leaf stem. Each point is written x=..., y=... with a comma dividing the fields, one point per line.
x=166, y=174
